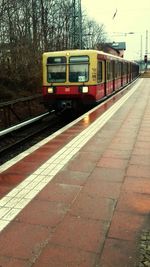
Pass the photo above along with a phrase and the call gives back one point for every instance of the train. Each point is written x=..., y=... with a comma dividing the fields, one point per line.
x=76, y=79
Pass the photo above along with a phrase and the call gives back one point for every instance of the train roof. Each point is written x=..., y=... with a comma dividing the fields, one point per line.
x=88, y=51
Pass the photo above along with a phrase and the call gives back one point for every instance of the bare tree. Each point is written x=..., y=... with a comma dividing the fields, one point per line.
x=30, y=27
x=93, y=34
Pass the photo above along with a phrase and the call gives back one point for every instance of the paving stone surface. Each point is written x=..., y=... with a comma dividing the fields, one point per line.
x=95, y=210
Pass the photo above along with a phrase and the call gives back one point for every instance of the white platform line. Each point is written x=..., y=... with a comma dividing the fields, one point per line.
x=22, y=155
x=20, y=196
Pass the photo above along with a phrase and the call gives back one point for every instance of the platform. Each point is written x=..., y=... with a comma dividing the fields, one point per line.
x=81, y=198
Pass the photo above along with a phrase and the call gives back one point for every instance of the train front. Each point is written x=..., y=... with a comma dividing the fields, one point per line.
x=67, y=79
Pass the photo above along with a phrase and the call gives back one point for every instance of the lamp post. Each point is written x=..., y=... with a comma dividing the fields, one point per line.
x=143, y=58
x=120, y=34
x=141, y=48
x=146, y=50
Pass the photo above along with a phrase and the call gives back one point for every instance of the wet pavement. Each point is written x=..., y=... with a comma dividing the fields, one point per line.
x=84, y=199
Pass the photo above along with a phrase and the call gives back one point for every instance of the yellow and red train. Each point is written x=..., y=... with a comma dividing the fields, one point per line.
x=79, y=78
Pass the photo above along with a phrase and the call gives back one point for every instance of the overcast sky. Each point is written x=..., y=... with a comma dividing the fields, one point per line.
x=131, y=16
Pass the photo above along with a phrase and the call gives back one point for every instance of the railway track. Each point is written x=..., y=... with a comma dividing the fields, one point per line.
x=20, y=138
x=15, y=141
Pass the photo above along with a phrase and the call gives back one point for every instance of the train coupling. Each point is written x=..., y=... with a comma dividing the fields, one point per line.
x=66, y=104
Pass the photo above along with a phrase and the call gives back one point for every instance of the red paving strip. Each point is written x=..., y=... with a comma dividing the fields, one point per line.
x=94, y=208
x=136, y=202
x=91, y=214
x=139, y=171
x=118, y=253
x=53, y=256
x=31, y=162
x=125, y=225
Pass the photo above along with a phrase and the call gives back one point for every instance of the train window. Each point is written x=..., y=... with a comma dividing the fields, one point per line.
x=116, y=69
x=109, y=70
x=77, y=59
x=128, y=68
x=56, y=60
x=56, y=69
x=119, y=69
x=99, y=71
x=124, y=68
x=79, y=69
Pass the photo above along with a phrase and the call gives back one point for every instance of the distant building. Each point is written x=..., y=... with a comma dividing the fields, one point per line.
x=115, y=48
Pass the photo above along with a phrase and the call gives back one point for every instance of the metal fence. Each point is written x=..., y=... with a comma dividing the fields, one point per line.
x=15, y=111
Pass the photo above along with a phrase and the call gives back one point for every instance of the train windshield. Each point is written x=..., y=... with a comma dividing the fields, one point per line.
x=56, y=69
x=79, y=69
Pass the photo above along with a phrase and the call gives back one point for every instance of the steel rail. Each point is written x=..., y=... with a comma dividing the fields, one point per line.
x=22, y=124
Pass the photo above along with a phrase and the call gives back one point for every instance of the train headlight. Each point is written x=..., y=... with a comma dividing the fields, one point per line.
x=85, y=89
x=50, y=90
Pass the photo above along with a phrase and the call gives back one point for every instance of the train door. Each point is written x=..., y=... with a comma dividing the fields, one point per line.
x=109, y=77
x=126, y=73
x=108, y=85
x=121, y=74
x=100, y=92
x=114, y=74
x=117, y=75
x=129, y=72
x=105, y=77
